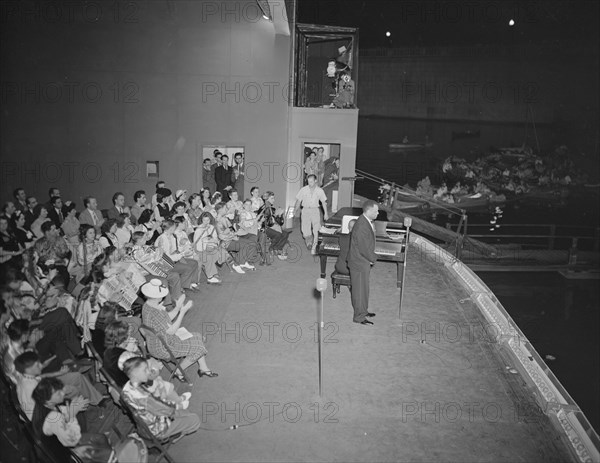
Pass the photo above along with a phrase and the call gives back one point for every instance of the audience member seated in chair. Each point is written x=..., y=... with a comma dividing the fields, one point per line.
x=159, y=388
x=156, y=403
x=209, y=252
x=247, y=230
x=117, y=340
x=89, y=248
x=18, y=339
x=55, y=423
x=167, y=324
x=186, y=268
x=61, y=335
x=110, y=312
x=272, y=223
x=29, y=373
x=52, y=250
x=229, y=240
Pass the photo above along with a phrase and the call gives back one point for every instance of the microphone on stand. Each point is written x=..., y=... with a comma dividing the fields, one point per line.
x=321, y=287
x=321, y=284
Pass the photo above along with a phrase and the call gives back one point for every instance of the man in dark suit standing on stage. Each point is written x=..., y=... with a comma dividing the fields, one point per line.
x=341, y=264
x=361, y=258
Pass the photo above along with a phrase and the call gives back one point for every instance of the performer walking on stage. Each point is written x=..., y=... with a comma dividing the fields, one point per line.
x=308, y=197
x=361, y=257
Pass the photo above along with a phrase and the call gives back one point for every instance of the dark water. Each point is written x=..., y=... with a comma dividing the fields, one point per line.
x=560, y=317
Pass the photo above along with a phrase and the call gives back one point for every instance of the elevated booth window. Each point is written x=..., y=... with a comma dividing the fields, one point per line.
x=326, y=70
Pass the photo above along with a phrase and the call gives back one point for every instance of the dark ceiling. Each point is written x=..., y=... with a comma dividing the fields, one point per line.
x=458, y=22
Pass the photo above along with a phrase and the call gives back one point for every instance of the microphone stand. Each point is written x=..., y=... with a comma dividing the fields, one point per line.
x=321, y=287
x=407, y=224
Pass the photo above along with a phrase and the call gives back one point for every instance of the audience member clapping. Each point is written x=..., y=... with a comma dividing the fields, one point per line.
x=55, y=422
x=164, y=414
x=168, y=324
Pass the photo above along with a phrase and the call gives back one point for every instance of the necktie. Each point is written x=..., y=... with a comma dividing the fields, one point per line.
x=93, y=215
x=176, y=246
x=60, y=216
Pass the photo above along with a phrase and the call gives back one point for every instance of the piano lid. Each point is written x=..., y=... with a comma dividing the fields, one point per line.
x=336, y=220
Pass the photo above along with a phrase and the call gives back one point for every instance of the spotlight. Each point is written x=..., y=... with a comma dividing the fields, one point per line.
x=511, y=22
x=265, y=9
x=388, y=34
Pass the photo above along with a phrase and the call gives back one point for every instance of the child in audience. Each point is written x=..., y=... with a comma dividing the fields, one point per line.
x=55, y=423
x=29, y=368
x=156, y=407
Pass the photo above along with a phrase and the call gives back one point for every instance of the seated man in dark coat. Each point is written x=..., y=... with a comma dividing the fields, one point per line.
x=341, y=265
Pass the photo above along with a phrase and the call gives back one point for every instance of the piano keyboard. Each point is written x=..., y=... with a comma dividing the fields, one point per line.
x=380, y=251
x=385, y=252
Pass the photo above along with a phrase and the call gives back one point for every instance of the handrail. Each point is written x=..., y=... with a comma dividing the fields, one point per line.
x=441, y=205
x=531, y=225
x=593, y=234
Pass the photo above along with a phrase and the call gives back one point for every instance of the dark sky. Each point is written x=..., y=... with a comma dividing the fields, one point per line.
x=459, y=22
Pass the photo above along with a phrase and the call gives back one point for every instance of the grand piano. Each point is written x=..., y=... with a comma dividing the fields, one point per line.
x=390, y=244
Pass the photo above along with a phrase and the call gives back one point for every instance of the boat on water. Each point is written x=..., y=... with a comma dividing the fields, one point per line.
x=411, y=202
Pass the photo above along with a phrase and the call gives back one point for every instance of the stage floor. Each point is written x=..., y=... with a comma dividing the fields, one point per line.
x=387, y=396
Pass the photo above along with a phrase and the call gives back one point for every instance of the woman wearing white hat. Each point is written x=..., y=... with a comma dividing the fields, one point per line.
x=168, y=324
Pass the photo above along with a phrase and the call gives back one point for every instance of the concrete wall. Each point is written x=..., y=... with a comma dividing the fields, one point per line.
x=90, y=93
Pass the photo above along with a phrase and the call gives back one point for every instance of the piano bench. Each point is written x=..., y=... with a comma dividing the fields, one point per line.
x=337, y=280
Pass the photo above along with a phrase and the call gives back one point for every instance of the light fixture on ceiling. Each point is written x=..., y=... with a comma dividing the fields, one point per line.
x=265, y=8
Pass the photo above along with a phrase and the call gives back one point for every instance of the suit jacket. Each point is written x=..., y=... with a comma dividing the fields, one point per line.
x=362, y=244
x=341, y=264
x=238, y=184
x=208, y=180
x=224, y=179
x=86, y=218
x=29, y=218
x=20, y=206
x=53, y=215
x=135, y=212
x=113, y=213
